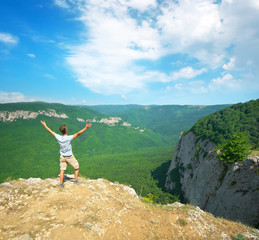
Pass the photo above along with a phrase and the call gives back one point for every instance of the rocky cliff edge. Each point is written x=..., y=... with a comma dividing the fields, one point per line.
x=230, y=191
x=98, y=209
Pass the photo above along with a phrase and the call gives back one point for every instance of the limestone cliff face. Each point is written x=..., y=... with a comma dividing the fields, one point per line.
x=230, y=192
x=6, y=116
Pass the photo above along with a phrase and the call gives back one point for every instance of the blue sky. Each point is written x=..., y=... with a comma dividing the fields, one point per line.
x=129, y=51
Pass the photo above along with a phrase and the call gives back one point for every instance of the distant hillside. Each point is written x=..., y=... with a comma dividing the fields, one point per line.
x=112, y=148
x=108, y=134
x=113, y=109
x=167, y=120
x=127, y=147
x=71, y=111
x=220, y=126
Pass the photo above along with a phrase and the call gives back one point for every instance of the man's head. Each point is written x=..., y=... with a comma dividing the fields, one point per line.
x=63, y=129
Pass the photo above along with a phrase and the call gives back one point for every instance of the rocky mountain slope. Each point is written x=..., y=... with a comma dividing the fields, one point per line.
x=227, y=191
x=98, y=209
x=230, y=190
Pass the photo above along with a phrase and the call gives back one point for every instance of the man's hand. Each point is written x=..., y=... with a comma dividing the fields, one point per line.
x=47, y=128
x=43, y=123
x=82, y=131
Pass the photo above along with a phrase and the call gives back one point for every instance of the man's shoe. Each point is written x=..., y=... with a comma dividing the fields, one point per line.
x=61, y=185
x=76, y=182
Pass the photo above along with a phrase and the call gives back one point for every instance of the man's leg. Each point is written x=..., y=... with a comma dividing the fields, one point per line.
x=76, y=174
x=61, y=176
x=74, y=163
x=63, y=167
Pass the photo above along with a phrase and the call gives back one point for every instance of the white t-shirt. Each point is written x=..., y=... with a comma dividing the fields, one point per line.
x=65, y=144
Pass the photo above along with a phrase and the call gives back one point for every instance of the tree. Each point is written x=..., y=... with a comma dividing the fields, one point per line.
x=236, y=149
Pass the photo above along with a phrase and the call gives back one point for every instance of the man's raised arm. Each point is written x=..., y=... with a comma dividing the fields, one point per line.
x=47, y=128
x=82, y=131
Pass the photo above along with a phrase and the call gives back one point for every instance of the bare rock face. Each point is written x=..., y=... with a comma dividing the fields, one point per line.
x=228, y=191
x=98, y=209
x=6, y=116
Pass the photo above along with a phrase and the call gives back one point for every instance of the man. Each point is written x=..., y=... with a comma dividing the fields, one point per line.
x=66, y=155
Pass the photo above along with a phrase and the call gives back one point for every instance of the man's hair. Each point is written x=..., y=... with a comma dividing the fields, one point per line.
x=63, y=129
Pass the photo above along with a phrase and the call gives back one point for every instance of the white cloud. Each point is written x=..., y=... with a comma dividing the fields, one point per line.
x=105, y=64
x=124, y=97
x=230, y=65
x=255, y=4
x=61, y=3
x=210, y=32
x=241, y=33
x=178, y=86
x=225, y=82
x=140, y=5
x=6, y=97
x=194, y=87
x=115, y=40
x=31, y=55
x=8, y=38
x=221, y=84
x=192, y=27
x=12, y=97
x=187, y=21
x=197, y=87
x=187, y=73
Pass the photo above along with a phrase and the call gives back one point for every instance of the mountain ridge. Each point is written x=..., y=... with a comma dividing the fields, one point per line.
x=168, y=120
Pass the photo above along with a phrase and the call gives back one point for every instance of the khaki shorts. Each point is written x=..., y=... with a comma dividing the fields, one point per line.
x=68, y=160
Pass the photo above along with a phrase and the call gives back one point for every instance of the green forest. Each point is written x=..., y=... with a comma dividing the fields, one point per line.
x=220, y=126
x=117, y=153
x=167, y=120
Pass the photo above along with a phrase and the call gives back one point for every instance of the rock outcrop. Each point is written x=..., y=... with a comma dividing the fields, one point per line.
x=98, y=209
x=230, y=191
x=9, y=117
x=6, y=116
